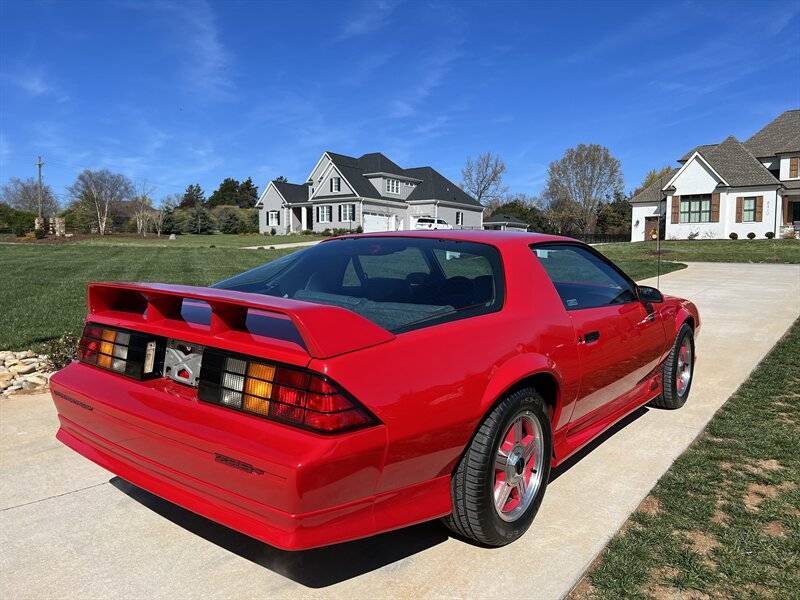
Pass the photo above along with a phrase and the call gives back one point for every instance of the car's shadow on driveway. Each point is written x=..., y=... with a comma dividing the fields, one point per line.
x=322, y=567
x=316, y=568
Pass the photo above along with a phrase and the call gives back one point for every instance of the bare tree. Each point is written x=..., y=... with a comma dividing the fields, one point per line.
x=99, y=191
x=23, y=194
x=142, y=205
x=482, y=178
x=581, y=179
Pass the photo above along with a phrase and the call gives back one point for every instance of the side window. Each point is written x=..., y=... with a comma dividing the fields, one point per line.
x=583, y=279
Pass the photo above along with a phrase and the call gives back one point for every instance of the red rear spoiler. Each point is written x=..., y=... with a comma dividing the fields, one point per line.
x=156, y=308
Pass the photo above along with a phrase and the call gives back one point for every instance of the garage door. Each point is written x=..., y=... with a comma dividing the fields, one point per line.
x=374, y=222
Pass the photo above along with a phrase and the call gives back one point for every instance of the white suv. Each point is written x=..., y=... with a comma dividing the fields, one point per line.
x=431, y=223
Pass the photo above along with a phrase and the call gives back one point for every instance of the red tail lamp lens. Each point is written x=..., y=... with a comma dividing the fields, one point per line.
x=279, y=393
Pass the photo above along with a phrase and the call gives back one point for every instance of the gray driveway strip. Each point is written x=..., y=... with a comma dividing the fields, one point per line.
x=68, y=529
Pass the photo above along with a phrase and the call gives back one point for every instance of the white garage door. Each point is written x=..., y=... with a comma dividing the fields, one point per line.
x=374, y=222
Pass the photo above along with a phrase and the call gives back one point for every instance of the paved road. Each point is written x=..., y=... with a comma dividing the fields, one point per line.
x=70, y=530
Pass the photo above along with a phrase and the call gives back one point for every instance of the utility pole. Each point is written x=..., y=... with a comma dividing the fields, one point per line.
x=40, y=164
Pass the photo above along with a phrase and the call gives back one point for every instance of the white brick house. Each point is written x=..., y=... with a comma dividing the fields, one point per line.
x=370, y=192
x=725, y=188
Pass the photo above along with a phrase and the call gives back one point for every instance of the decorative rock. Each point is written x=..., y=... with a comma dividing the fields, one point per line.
x=22, y=369
x=28, y=385
x=29, y=361
x=4, y=383
x=25, y=354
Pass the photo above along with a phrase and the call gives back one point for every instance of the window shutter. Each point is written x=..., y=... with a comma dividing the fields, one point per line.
x=794, y=166
x=739, y=202
x=759, y=208
x=715, y=208
x=278, y=217
x=676, y=209
x=786, y=220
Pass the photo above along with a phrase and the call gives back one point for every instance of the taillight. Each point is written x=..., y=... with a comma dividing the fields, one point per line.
x=278, y=392
x=126, y=352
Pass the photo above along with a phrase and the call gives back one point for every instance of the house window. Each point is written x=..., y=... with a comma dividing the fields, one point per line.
x=459, y=217
x=347, y=212
x=696, y=209
x=749, y=209
x=392, y=186
x=336, y=184
x=274, y=218
x=324, y=213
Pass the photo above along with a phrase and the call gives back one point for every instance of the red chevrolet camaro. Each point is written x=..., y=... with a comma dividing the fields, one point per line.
x=372, y=381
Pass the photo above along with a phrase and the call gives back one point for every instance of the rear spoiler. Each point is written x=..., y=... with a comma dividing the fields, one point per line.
x=155, y=308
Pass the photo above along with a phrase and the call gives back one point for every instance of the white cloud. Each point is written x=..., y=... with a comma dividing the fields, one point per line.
x=369, y=18
x=35, y=82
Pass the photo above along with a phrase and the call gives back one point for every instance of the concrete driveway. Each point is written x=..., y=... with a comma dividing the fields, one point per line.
x=69, y=529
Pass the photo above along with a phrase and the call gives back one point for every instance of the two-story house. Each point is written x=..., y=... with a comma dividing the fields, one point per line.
x=370, y=192
x=729, y=187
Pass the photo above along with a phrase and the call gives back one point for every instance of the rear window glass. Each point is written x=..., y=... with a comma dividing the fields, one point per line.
x=398, y=283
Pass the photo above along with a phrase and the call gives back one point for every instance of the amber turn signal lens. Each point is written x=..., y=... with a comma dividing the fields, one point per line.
x=106, y=348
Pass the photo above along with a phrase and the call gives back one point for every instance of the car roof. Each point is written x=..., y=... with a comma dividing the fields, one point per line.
x=493, y=237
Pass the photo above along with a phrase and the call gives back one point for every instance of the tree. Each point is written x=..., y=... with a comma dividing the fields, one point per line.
x=615, y=217
x=483, y=178
x=101, y=191
x=248, y=194
x=227, y=194
x=193, y=196
x=585, y=176
x=23, y=194
x=652, y=176
x=142, y=207
x=526, y=208
x=280, y=179
x=228, y=219
x=161, y=219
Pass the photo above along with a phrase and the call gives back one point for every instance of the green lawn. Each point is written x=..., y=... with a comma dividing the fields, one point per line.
x=724, y=521
x=745, y=251
x=43, y=293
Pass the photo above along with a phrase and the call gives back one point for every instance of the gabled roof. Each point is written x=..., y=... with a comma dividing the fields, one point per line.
x=436, y=186
x=700, y=148
x=505, y=218
x=737, y=165
x=654, y=191
x=780, y=135
x=292, y=192
x=433, y=185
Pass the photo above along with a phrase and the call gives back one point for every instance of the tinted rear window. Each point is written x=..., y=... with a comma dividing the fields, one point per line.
x=398, y=283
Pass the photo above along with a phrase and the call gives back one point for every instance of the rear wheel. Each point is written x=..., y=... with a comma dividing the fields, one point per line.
x=501, y=479
x=678, y=371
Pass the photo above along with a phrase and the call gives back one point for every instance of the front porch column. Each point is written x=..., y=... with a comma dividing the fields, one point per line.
x=303, y=221
x=287, y=215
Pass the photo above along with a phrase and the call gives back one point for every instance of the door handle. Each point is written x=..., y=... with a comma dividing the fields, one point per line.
x=591, y=336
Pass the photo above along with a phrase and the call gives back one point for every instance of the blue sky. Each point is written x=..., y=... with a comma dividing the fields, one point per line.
x=172, y=93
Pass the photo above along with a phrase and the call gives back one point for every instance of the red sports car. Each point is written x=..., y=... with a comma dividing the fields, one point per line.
x=372, y=381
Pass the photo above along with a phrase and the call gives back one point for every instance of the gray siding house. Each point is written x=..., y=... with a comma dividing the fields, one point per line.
x=370, y=192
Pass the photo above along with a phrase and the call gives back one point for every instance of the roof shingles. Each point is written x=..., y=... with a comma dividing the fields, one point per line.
x=782, y=134
x=737, y=165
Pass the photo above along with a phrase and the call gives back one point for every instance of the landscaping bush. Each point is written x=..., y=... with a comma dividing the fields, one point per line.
x=733, y=235
x=693, y=235
x=39, y=234
x=61, y=351
x=228, y=219
x=769, y=235
x=18, y=221
x=789, y=235
x=307, y=232
x=359, y=229
x=751, y=236
x=272, y=231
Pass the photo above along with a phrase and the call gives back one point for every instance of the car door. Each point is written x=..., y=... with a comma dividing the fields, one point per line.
x=620, y=340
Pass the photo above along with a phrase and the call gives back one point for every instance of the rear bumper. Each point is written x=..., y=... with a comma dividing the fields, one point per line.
x=293, y=501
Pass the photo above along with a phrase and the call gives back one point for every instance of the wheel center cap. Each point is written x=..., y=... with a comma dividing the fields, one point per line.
x=516, y=463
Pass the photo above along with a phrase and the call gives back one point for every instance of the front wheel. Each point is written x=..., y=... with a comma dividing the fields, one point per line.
x=678, y=371
x=501, y=479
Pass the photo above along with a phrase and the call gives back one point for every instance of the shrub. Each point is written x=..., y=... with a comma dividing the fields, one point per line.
x=733, y=235
x=272, y=231
x=359, y=229
x=307, y=232
x=39, y=234
x=228, y=219
x=751, y=236
x=788, y=234
x=693, y=235
x=60, y=351
x=769, y=235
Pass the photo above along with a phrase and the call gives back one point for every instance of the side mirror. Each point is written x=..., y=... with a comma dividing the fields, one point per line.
x=649, y=294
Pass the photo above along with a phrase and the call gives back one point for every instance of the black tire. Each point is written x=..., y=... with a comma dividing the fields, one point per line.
x=671, y=397
x=474, y=515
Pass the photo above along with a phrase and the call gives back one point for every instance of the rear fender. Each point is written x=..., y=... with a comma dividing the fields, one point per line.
x=515, y=370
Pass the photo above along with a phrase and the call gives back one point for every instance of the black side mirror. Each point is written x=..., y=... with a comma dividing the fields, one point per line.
x=649, y=294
